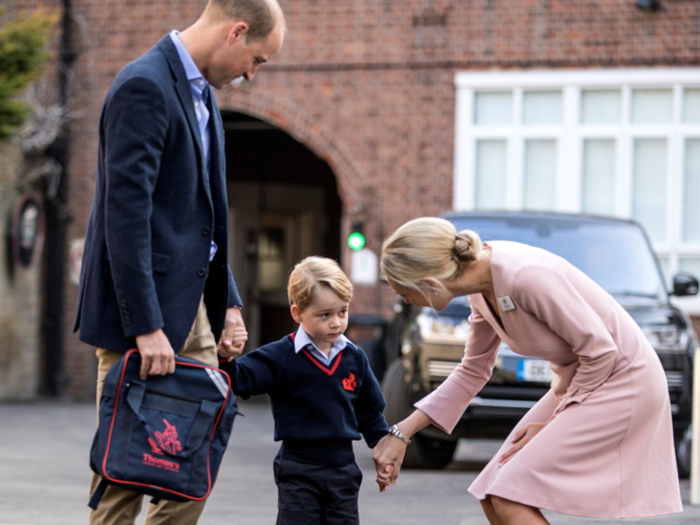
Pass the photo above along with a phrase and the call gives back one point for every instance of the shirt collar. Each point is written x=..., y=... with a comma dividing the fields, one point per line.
x=191, y=69
x=302, y=340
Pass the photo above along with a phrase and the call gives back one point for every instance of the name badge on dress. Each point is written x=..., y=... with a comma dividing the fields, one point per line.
x=506, y=303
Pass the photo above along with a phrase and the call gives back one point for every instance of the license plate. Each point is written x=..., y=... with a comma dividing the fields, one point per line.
x=535, y=370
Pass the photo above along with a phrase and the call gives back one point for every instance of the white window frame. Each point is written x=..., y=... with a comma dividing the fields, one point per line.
x=570, y=135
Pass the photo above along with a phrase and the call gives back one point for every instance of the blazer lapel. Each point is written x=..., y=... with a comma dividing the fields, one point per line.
x=184, y=93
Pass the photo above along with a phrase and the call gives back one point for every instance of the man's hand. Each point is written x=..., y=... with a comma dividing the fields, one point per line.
x=234, y=335
x=157, y=355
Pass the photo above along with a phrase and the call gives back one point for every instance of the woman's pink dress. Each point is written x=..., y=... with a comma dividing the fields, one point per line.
x=609, y=452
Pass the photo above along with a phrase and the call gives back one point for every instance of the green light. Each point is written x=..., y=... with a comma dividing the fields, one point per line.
x=356, y=241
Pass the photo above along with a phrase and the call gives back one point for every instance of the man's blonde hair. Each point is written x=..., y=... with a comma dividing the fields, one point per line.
x=312, y=272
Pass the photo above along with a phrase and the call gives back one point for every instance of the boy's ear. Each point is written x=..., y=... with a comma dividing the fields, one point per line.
x=296, y=313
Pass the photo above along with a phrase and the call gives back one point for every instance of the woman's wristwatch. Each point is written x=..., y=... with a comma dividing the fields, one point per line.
x=394, y=431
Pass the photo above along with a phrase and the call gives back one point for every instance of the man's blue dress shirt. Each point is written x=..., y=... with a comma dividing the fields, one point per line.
x=200, y=97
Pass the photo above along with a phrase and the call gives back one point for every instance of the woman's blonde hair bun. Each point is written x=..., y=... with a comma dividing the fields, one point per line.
x=467, y=247
x=428, y=247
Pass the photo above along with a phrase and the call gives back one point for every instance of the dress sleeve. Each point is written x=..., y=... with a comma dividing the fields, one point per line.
x=446, y=404
x=553, y=299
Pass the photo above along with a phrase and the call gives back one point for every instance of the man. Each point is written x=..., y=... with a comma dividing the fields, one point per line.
x=155, y=274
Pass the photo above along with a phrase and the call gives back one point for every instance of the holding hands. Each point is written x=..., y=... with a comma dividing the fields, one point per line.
x=388, y=454
x=234, y=335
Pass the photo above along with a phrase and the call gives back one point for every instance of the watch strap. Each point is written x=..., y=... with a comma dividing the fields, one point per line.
x=394, y=431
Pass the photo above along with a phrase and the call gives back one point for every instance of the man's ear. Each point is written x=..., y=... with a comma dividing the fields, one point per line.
x=238, y=31
x=296, y=313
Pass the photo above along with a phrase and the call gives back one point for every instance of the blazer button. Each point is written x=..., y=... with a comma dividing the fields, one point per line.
x=206, y=231
x=202, y=272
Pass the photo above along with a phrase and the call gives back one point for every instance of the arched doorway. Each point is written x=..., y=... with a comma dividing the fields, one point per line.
x=283, y=206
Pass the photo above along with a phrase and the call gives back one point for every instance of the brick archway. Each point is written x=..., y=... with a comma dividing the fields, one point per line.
x=292, y=119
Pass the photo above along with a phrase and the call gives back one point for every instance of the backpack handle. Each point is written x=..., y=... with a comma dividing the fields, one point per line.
x=200, y=426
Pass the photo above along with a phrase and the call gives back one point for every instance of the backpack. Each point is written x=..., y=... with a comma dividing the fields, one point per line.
x=165, y=436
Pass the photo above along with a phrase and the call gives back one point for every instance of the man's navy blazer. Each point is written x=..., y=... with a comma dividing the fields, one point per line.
x=155, y=212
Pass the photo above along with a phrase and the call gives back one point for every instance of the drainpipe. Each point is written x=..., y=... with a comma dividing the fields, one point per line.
x=57, y=219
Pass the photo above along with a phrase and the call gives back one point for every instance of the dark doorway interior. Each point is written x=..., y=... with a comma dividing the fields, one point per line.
x=284, y=206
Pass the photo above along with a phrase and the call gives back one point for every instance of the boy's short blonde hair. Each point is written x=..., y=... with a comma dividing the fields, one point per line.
x=312, y=272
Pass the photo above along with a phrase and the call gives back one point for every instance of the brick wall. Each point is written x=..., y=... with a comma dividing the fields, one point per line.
x=368, y=86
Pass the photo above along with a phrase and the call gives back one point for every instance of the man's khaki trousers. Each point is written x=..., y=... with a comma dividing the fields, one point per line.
x=120, y=506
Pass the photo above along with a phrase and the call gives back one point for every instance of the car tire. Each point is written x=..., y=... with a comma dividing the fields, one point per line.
x=683, y=459
x=423, y=452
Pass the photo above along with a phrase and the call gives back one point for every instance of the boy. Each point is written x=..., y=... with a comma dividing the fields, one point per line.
x=323, y=395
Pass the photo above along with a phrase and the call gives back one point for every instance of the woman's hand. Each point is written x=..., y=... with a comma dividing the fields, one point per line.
x=388, y=455
x=522, y=437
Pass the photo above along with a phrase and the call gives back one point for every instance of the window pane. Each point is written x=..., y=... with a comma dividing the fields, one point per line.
x=493, y=109
x=649, y=192
x=691, y=192
x=691, y=106
x=491, y=166
x=652, y=106
x=540, y=174
x=601, y=107
x=690, y=265
x=542, y=107
x=599, y=177
x=665, y=264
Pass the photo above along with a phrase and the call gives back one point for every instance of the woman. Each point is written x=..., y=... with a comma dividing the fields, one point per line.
x=599, y=444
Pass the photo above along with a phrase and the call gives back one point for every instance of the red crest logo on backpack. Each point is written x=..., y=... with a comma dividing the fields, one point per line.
x=167, y=440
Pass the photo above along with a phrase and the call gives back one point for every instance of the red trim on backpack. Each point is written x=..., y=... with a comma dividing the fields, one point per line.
x=216, y=424
x=322, y=367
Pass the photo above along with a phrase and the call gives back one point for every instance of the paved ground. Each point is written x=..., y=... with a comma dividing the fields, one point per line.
x=44, y=476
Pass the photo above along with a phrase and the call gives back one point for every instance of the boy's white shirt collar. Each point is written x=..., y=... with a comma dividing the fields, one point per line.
x=302, y=340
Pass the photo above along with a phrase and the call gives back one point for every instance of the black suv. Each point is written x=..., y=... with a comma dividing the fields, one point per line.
x=425, y=346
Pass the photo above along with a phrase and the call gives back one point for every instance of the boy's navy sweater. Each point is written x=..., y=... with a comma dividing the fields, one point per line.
x=318, y=410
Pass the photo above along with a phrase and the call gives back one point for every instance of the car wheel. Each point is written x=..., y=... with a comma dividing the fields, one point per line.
x=683, y=454
x=423, y=452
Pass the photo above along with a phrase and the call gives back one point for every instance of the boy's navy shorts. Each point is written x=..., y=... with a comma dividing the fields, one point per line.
x=316, y=495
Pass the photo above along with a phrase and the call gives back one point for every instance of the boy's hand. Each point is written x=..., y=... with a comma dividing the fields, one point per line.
x=234, y=335
x=384, y=478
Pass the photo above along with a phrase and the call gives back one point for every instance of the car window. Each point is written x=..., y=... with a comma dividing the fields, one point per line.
x=615, y=255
